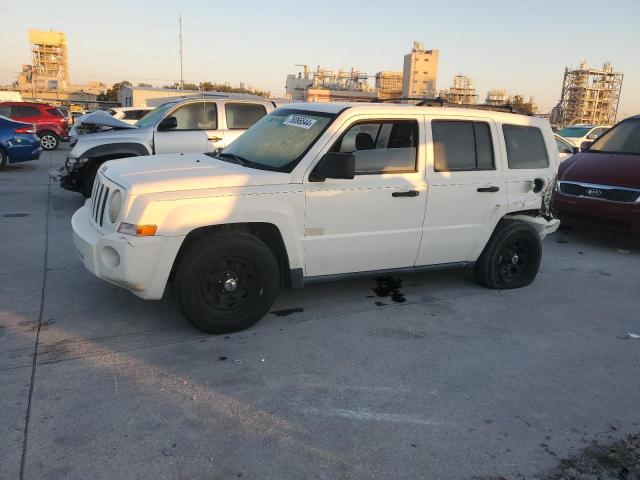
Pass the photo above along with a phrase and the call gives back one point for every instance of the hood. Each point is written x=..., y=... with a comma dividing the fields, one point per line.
x=173, y=172
x=622, y=170
x=102, y=119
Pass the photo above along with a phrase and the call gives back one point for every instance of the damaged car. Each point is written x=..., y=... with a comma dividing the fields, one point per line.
x=322, y=191
x=188, y=125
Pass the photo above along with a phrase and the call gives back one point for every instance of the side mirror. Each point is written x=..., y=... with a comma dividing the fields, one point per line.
x=167, y=123
x=585, y=145
x=336, y=165
x=576, y=149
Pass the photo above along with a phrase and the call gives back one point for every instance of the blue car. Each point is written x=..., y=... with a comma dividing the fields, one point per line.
x=18, y=142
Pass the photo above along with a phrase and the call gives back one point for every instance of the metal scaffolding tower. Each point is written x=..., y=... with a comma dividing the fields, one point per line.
x=462, y=92
x=50, y=61
x=590, y=95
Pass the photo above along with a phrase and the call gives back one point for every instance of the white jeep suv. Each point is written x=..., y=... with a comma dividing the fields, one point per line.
x=320, y=191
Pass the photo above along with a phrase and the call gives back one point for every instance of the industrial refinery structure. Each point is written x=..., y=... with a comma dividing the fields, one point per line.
x=462, y=92
x=589, y=96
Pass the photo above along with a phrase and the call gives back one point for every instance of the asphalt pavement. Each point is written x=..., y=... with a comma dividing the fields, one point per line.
x=441, y=380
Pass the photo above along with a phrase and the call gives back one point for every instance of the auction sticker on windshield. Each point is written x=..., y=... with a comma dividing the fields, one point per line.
x=299, y=121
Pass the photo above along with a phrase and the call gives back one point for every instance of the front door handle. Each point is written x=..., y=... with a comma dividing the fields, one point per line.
x=489, y=189
x=214, y=139
x=410, y=193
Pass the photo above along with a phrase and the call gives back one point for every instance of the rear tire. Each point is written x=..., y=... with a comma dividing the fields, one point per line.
x=49, y=141
x=226, y=282
x=512, y=257
x=3, y=158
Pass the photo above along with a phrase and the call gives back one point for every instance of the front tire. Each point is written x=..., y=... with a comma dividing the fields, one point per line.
x=49, y=141
x=512, y=257
x=226, y=282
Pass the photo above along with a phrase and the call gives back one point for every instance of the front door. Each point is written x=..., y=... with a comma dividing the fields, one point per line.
x=467, y=192
x=194, y=122
x=373, y=221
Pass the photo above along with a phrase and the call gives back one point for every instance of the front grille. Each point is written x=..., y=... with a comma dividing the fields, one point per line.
x=99, y=201
x=600, y=192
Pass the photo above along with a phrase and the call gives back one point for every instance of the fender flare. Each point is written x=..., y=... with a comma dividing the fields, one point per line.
x=109, y=149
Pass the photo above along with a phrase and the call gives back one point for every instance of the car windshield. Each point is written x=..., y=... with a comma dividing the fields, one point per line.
x=574, y=132
x=624, y=138
x=154, y=115
x=279, y=140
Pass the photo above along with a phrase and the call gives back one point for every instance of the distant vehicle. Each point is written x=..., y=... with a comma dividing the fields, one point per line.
x=67, y=114
x=50, y=124
x=565, y=149
x=319, y=191
x=601, y=185
x=189, y=125
x=577, y=134
x=129, y=115
x=18, y=142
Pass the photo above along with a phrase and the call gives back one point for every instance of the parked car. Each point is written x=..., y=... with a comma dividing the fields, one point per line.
x=66, y=113
x=321, y=191
x=18, y=142
x=565, y=149
x=49, y=122
x=577, y=134
x=190, y=125
x=601, y=185
x=129, y=115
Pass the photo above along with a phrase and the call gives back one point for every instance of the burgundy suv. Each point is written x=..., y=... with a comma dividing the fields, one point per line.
x=601, y=185
x=50, y=124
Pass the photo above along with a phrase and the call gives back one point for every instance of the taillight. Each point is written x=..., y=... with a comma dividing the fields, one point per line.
x=24, y=130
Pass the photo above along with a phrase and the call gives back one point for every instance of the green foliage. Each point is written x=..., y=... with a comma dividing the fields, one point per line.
x=112, y=94
x=144, y=85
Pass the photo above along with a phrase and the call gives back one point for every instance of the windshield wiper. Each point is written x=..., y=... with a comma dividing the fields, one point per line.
x=237, y=158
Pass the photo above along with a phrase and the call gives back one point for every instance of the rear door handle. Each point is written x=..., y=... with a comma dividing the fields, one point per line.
x=410, y=193
x=489, y=189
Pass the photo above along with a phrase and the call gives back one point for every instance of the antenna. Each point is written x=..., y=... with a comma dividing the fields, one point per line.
x=180, y=41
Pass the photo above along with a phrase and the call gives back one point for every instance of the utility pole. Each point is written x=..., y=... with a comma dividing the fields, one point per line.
x=180, y=41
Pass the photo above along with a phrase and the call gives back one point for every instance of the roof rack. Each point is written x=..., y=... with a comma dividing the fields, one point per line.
x=442, y=102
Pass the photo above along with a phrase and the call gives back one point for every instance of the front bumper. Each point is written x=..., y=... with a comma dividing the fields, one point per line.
x=140, y=264
x=598, y=213
x=71, y=178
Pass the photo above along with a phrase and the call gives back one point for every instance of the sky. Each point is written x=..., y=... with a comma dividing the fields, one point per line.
x=522, y=47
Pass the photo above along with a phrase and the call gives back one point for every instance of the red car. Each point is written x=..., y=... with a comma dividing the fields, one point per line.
x=50, y=124
x=600, y=186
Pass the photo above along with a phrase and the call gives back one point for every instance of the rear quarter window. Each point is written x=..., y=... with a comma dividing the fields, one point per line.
x=525, y=147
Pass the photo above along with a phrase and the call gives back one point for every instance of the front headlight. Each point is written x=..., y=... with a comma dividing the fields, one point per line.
x=115, y=205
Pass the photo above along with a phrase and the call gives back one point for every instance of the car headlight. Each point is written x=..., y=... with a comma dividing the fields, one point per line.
x=77, y=161
x=115, y=205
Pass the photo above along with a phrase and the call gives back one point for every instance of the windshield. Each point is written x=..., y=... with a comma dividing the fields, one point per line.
x=624, y=138
x=279, y=140
x=154, y=116
x=574, y=132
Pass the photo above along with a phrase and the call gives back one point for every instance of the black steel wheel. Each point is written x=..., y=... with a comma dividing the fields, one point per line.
x=511, y=258
x=226, y=282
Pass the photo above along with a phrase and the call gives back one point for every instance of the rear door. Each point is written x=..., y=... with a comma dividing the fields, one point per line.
x=236, y=118
x=194, y=120
x=466, y=188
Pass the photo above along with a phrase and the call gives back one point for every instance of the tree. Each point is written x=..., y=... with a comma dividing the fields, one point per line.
x=528, y=108
x=144, y=85
x=111, y=94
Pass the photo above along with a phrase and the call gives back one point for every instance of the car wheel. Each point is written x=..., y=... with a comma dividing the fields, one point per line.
x=511, y=258
x=226, y=282
x=49, y=141
x=3, y=158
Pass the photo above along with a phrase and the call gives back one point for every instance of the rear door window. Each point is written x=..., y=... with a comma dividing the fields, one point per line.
x=243, y=115
x=525, y=147
x=21, y=111
x=196, y=116
x=462, y=146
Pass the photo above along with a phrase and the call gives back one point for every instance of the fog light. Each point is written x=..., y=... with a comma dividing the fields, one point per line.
x=110, y=257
